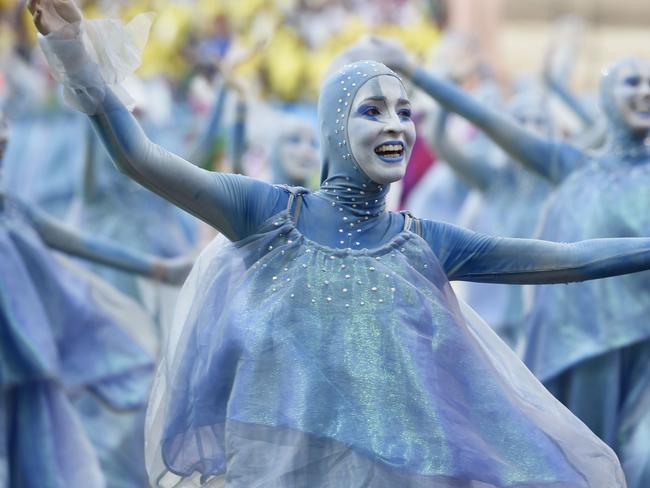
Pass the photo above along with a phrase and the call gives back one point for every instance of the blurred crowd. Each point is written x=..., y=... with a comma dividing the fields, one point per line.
x=294, y=41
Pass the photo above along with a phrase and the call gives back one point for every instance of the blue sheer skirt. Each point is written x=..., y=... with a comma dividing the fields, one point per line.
x=63, y=334
x=292, y=364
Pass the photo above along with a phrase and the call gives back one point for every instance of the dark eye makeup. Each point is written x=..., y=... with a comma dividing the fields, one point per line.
x=405, y=113
x=368, y=110
x=373, y=111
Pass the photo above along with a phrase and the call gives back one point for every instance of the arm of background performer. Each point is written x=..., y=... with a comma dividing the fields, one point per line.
x=474, y=171
x=69, y=241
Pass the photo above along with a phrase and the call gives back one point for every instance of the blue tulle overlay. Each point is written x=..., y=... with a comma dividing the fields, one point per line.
x=59, y=339
x=294, y=364
x=571, y=323
x=590, y=342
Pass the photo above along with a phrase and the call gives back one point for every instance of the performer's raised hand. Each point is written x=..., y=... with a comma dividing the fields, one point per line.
x=53, y=15
x=391, y=53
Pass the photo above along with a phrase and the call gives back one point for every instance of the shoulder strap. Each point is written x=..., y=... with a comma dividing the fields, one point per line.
x=418, y=227
x=294, y=212
x=292, y=197
x=410, y=221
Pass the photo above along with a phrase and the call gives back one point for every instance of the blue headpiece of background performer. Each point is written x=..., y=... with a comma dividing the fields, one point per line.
x=622, y=139
x=532, y=100
x=278, y=172
x=607, y=85
x=339, y=169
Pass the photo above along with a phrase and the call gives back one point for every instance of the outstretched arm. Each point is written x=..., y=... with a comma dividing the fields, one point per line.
x=570, y=101
x=470, y=256
x=233, y=204
x=594, y=131
x=552, y=160
x=474, y=171
x=204, y=154
x=567, y=37
x=69, y=241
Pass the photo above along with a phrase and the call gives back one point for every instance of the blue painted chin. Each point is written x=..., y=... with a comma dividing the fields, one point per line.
x=385, y=159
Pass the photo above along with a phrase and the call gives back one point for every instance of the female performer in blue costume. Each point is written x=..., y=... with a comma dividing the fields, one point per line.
x=589, y=342
x=73, y=351
x=309, y=357
x=294, y=157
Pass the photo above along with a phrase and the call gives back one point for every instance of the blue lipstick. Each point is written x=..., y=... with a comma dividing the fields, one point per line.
x=393, y=156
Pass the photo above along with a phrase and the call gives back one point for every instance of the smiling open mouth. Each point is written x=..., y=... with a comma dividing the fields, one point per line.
x=390, y=152
x=642, y=108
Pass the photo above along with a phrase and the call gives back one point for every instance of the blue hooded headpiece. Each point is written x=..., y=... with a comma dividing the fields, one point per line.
x=340, y=173
x=622, y=139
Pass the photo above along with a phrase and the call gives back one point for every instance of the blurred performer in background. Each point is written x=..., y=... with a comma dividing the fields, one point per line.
x=76, y=356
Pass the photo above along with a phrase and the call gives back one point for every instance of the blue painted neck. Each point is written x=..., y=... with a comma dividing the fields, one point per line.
x=630, y=146
x=360, y=197
x=343, y=182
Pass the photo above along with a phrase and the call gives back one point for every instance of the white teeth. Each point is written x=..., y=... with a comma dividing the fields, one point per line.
x=390, y=148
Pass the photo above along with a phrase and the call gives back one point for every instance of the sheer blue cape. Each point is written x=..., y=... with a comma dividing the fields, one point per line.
x=63, y=334
x=571, y=323
x=295, y=364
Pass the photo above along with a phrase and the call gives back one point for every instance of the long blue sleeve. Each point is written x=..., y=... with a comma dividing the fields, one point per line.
x=69, y=241
x=234, y=205
x=571, y=101
x=470, y=256
x=552, y=160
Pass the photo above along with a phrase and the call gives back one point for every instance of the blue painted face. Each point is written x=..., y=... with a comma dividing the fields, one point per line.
x=625, y=95
x=295, y=155
x=531, y=111
x=380, y=129
x=366, y=130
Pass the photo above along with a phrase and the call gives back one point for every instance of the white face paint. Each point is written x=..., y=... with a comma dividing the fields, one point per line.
x=298, y=153
x=631, y=95
x=380, y=129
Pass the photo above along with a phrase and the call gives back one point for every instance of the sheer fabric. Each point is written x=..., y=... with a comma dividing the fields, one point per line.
x=63, y=334
x=92, y=56
x=295, y=364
